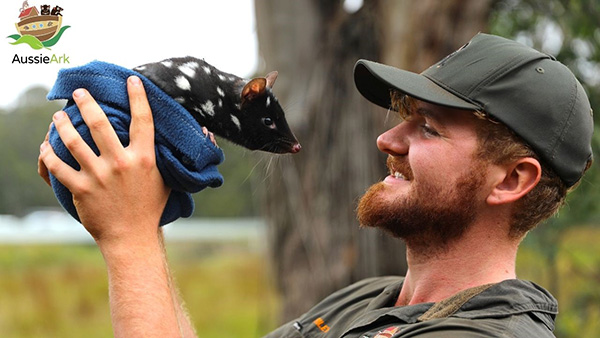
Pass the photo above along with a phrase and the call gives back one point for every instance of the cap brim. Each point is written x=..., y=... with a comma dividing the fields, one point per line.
x=374, y=81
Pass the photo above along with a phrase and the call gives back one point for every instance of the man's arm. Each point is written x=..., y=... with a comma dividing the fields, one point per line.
x=120, y=197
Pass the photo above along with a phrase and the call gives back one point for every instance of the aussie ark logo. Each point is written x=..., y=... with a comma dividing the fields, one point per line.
x=40, y=30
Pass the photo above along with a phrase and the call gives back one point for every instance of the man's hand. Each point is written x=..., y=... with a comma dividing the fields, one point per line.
x=120, y=197
x=120, y=194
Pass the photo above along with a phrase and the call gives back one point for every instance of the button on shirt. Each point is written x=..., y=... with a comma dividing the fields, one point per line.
x=511, y=308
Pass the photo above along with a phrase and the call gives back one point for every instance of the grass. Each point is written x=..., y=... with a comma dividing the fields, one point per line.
x=61, y=291
x=53, y=291
x=227, y=295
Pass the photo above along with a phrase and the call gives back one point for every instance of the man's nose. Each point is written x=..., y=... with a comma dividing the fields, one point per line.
x=394, y=141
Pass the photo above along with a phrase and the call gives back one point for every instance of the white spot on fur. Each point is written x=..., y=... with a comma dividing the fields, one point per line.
x=192, y=64
x=236, y=121
x=268, y=101
x=199, y=111
x=189, y=69
x=140, y=68
x=182, y=82
x=167, y=63
x=206, y=69
x=231, y=78
x=180, y=99
x=222, y=78
x=220, y=103
x=220, y=91
x=209, y=108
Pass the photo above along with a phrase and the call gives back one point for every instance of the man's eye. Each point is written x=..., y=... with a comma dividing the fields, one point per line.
x=428, y=131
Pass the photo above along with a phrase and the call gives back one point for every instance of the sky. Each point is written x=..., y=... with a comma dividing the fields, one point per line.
x=131, y=33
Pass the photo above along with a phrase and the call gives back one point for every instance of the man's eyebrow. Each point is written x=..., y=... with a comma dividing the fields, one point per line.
x=428, y=113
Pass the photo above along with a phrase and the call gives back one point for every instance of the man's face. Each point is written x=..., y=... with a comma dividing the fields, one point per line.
x=432, y=193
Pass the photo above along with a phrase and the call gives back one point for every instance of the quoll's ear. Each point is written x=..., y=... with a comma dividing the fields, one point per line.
x=271, y=77
x=253, y=89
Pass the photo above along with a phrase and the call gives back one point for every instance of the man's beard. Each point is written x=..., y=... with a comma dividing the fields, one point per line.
x=430, y=217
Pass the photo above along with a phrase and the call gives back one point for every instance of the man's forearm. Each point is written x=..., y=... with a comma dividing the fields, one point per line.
x=142, y=300
x=185, y=325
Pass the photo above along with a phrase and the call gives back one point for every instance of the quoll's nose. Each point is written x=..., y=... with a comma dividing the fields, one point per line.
x=296, y=148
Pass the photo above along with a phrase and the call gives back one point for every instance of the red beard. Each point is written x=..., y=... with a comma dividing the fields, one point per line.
x=430, y=216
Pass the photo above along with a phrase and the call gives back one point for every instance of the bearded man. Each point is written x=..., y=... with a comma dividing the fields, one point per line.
x=491, y=140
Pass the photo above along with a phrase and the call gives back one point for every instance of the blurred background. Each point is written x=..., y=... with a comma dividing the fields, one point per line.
x=281, y=233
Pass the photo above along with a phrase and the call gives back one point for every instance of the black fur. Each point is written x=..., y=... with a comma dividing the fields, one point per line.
x=218, y=100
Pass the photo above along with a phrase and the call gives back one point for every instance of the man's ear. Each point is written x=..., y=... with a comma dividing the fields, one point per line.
x=520, y=177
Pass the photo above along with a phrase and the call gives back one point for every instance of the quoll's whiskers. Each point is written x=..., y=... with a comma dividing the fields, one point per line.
x=260, y=160
x=270, y=164
x=268, y=168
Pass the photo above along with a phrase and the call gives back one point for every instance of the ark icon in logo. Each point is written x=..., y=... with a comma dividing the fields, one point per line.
x=39, y=29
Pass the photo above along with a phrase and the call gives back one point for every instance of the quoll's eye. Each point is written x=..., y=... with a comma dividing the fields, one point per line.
x=267, y=121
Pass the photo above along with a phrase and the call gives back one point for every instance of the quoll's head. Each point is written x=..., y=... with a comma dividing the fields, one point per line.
x=262, y=120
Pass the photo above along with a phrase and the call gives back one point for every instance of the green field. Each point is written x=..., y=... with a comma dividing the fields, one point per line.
x=61, y=291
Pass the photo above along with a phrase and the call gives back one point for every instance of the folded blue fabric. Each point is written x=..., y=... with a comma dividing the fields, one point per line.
x=186, y=158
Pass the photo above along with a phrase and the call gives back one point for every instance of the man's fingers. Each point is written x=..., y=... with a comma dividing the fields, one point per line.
x=80, y=150
x=102, y=131
x=141, y=131
x=53, y=164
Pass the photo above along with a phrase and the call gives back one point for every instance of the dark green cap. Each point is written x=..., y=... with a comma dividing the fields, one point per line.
x=531, y=92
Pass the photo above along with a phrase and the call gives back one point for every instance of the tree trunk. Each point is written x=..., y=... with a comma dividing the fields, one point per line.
x=316, y=244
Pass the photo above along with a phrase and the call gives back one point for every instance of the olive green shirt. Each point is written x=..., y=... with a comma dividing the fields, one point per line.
x=512, y=308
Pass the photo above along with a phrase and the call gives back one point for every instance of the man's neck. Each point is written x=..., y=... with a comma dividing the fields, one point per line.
x=477, y=258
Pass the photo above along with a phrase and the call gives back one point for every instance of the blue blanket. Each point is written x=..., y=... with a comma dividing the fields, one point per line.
x=186, y=158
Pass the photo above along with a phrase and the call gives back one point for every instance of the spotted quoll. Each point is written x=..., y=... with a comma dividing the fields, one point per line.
x=242, y=111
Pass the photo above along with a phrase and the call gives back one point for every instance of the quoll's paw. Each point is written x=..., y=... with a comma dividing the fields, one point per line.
x=211, y=135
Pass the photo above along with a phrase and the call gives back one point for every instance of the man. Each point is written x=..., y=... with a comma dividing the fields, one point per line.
x=492, y=137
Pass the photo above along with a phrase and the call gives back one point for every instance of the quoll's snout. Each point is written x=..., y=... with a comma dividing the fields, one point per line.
x=295, y=148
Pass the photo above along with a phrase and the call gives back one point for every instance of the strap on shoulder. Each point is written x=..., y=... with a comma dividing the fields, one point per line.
x=449, y=306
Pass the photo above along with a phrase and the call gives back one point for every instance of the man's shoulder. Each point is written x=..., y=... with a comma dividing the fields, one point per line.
x=512, y=297
x=522, y=325
x=512, y=308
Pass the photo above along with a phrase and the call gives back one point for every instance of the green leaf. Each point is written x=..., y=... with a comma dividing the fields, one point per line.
x=55, y=39
x=31, y=40
x=14, y=36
